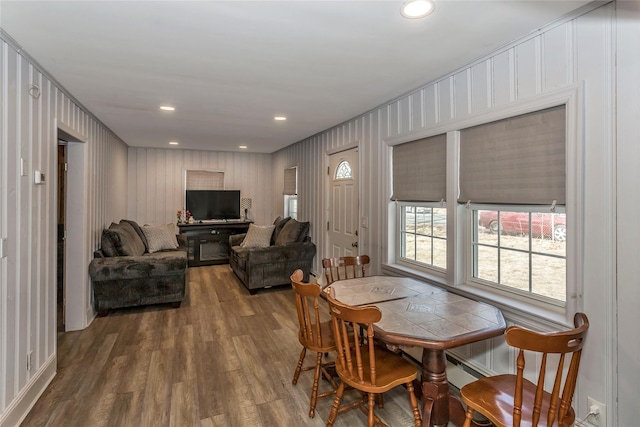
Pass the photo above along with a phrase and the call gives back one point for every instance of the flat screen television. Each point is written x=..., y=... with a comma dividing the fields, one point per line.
x=213, y=204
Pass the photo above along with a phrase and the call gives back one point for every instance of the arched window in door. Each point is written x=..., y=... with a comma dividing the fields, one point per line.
x=343, y=171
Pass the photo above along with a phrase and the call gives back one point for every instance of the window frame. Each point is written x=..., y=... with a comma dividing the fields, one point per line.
x=505, y=290
x=411, y=263
x=459, y=222
x=287, y=205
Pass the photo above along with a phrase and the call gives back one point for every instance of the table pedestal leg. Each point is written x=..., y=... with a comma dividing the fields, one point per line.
x=435, y=388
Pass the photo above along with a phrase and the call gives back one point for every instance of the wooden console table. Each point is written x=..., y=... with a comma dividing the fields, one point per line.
x=208, y=243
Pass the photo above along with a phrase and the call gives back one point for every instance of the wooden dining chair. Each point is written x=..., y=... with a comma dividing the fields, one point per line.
x=314, y=335
x=342, y=268
x=365, y=366
x=511, y=400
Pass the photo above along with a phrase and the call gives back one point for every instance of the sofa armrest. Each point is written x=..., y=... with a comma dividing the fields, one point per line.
x=236, y=239
x=182, y=240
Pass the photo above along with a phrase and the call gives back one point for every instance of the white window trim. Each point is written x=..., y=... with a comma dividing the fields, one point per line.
x=459, y=225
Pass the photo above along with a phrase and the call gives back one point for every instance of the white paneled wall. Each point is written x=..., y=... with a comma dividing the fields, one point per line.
x=28, y=223
x=574, y=53
x=156, y=181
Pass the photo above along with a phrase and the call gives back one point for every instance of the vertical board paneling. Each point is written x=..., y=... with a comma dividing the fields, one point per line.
x=503, y=78
x=462, y=93
x=417, y=110
x=527, y=68
x=594, y=56
x=28, y=224
x=445, y=99
x=481, y=87
x=557, y=55
x=432, y=116
x=156, y=176
x=404, y=115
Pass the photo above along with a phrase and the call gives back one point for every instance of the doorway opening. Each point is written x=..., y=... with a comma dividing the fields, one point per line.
x=61, y=221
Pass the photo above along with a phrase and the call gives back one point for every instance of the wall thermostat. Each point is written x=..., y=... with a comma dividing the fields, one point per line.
x=38, y=177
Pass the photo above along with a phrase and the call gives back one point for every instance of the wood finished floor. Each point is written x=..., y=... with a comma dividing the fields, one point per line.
x=224, y=358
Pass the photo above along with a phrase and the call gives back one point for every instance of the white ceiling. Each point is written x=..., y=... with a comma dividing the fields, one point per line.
x=230, y=66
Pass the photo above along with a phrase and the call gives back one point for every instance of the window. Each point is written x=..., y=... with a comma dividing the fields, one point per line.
x=343, y=171
x=291, y=206
x=290, y=192
x=423, y=234
x=512, y=176
x=419, y=187
x=522, y=251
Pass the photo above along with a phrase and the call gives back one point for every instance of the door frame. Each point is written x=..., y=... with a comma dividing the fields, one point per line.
x=76, y=260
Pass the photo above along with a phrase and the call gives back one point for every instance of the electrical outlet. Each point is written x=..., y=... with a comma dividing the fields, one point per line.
x=598, y=415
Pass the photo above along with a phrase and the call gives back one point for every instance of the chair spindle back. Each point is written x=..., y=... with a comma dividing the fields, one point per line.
x=342, y=268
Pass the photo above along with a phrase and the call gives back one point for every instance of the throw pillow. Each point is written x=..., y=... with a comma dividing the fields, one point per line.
x=293, y=231
x=160, y=237
x=125, y=240
x=107, y=244
x=279, y=223
x=138, y=231
x=258, y=236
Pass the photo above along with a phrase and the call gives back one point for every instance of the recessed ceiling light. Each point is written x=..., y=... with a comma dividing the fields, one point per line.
x=173, y=143
x=414, y=9
x=167, y=108
x=280, y=118
x=242, y=147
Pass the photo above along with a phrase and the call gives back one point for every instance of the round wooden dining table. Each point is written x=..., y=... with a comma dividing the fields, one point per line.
x=418, y=314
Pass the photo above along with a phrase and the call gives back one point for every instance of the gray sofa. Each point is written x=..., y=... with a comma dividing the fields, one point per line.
x=125, y=274
x=290, y=248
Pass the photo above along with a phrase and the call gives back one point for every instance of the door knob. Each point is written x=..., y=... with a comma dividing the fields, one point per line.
x=354, y=244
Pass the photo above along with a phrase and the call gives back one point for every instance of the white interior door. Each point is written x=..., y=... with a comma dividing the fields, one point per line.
x=343, y=204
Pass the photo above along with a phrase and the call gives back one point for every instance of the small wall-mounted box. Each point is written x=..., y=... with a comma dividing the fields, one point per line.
x=38, y=177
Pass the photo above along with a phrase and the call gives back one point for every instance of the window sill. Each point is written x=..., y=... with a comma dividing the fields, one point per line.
x=515, y=311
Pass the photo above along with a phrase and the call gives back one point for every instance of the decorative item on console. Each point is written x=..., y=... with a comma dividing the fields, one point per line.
x=245, y=204
x=179, y=216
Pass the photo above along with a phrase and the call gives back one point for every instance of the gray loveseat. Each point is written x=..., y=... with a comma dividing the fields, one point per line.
x=289, y=248
x=125, y=274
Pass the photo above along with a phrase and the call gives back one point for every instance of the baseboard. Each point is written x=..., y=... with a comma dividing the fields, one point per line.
x=17, y=411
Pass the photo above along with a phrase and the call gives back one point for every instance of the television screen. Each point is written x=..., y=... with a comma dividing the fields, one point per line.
x=213, y=204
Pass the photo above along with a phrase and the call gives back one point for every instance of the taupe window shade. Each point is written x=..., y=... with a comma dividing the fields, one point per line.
x=420, y=170
x=520, y=160
x=290, y=182
x=205, y=180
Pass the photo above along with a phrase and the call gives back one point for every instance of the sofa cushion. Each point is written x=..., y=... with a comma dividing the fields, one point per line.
x=160, y=237
x=258, y=236
x=138, y=231
x=293, y=231
x=279, y=223
x=125, y=240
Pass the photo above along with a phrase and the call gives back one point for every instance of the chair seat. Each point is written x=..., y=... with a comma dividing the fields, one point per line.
x=328, y=344
x=493, y=397
x=391, y=370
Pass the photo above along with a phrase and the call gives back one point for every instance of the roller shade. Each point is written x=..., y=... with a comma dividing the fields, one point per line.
x=420, y=170
x=520, y=160
x=205, y=180
x=290, y=182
